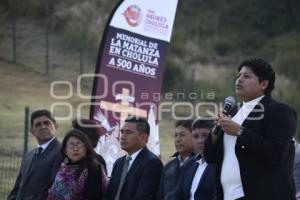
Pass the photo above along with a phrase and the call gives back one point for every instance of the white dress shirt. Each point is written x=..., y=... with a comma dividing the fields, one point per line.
x=133, y=157
x=230, y=173
x=45, y=145
x=201, y=167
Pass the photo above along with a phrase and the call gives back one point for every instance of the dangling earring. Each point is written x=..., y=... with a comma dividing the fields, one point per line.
x=66, y=160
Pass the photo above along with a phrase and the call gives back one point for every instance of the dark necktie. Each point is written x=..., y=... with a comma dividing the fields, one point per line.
x=35, y=158
x=39, y=151
x=198, y=157
x=124, y=172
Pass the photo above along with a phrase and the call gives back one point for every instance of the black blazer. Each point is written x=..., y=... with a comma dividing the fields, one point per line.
x=93, y=184
x=33, y=182
x=206, y=185
x=265, y=152
x=142, y=180
x=170, y=176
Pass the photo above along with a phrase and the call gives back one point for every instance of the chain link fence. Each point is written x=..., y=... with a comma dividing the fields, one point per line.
x=10, y=161
x=59, y=54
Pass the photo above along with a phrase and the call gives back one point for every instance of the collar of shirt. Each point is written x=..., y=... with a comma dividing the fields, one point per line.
x=182, y=161
x=45, y=145
x=198, y=156
x=133, y=157
x=201, y=161
x=253, y=102
x=245, y=110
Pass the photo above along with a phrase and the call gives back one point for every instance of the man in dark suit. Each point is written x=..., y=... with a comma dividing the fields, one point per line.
x=254, y=150
x=184, y=151
x=197, y=178
x=39, y=166
x=135, y=176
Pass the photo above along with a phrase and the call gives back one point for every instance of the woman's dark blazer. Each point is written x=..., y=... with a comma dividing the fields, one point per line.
x=265, y=152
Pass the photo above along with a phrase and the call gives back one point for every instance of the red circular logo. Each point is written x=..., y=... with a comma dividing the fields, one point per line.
x=133, y=15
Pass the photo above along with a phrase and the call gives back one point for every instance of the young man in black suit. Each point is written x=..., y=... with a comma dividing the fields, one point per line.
x=254, y=150
x=39, y=166
x=197, y=178
x=184, y=151
x=135, y=176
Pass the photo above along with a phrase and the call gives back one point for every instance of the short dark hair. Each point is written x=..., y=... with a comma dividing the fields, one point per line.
x=202, y=123
x=262, y=69
x=90, y=127
x=185, y=123
x=40, y=113
x=141, y=124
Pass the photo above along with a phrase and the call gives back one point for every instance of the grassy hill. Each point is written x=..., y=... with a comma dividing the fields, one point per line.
x=21, y=87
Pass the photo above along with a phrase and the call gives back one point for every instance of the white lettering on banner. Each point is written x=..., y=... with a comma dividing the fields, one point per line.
x=131, y=39
x=133, y=54
x=139, y=57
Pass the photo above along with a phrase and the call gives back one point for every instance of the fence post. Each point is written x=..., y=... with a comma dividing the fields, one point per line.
x=26, y=128
x=194, y=85
x=81, y=52
x=47, y=50
x=14, y=39
x=47, y=35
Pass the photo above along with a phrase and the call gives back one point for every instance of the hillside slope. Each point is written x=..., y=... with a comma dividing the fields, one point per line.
x=20, y=87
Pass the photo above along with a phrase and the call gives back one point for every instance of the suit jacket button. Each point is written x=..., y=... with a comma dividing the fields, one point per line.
x=243, y=147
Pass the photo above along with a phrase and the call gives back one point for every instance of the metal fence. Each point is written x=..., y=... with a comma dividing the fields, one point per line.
x=10, y=161
x=61, y=54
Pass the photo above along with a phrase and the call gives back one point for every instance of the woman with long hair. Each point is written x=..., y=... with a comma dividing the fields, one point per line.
x=80, y=175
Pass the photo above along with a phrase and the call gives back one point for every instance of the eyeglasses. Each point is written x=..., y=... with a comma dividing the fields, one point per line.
x=73, y=146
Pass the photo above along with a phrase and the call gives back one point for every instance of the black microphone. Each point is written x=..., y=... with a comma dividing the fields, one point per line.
x=229, y=104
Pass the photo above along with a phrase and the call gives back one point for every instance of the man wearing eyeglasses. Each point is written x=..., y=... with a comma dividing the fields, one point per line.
x=39, y=166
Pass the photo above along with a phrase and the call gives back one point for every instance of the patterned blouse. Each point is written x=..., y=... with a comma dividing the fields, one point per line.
x=66, y=186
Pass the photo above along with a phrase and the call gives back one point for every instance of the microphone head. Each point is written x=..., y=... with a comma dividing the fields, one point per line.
x=228, y=104
x=230, y=100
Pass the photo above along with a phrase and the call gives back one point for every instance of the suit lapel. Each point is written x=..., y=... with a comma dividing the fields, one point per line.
x=33, y=159
x=120, y=169
x=261, y=105
x=28, y=166
x=190, y=176
x=132, y=169
x=203, y=177
x=137, y=161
